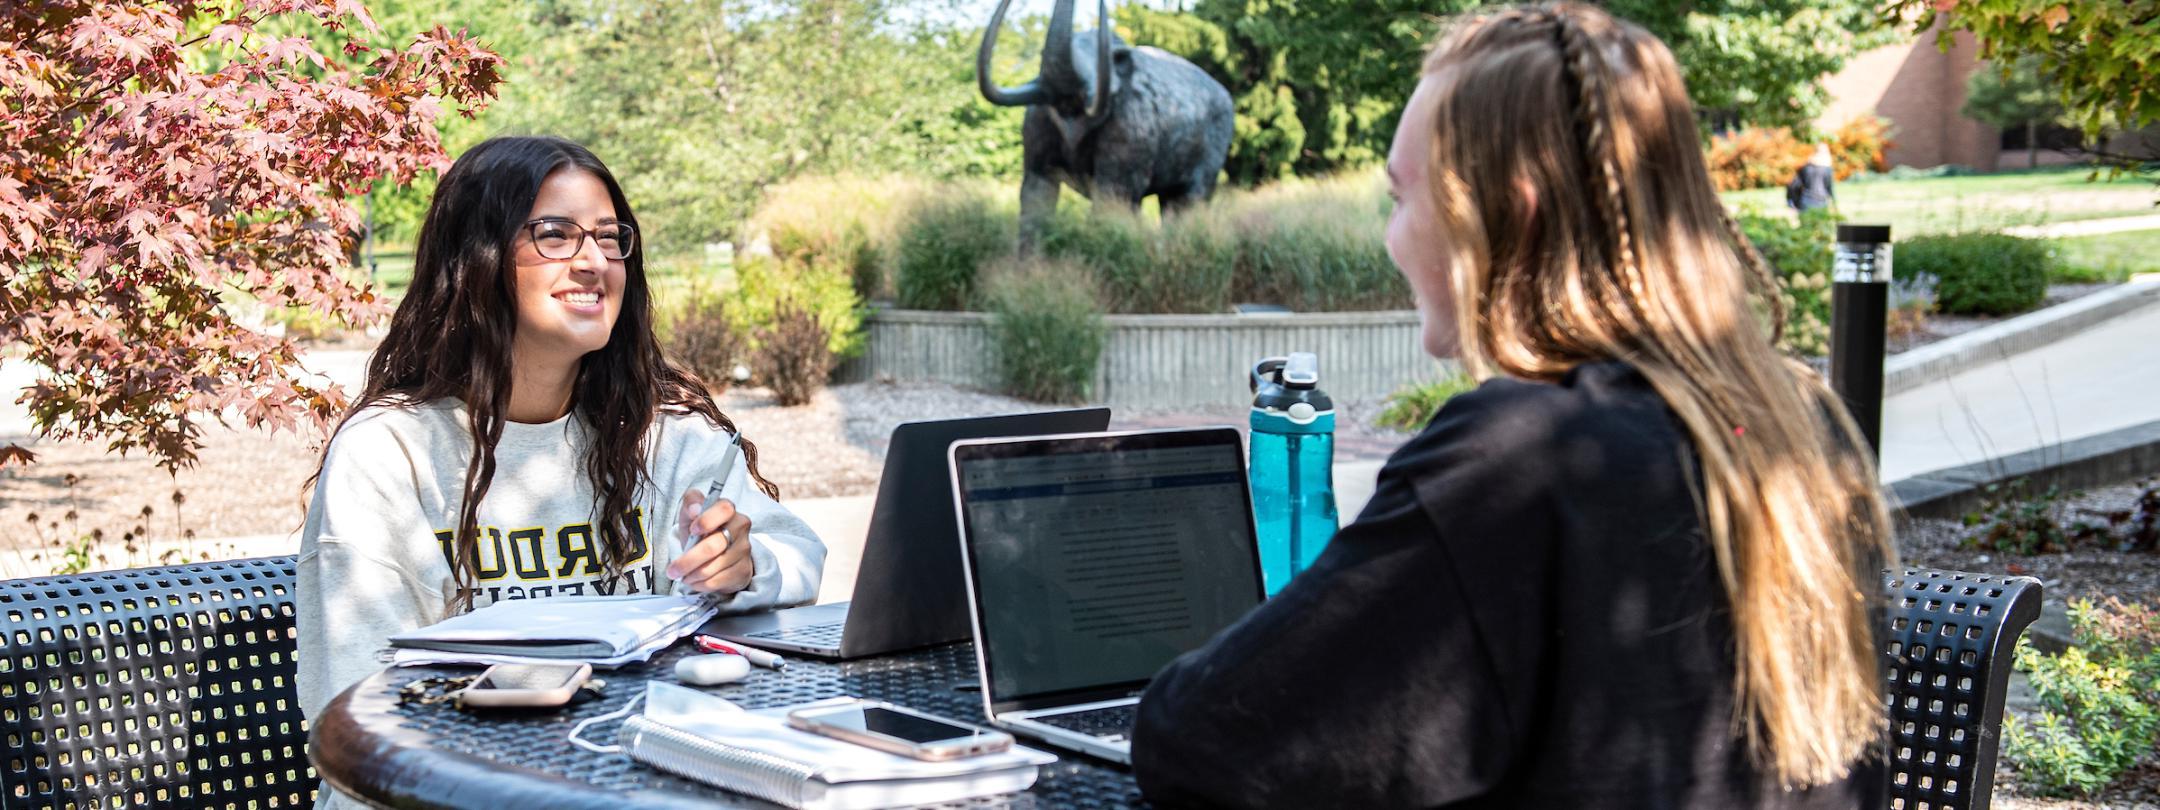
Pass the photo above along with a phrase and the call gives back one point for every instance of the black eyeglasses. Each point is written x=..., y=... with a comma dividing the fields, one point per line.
x=562, y=239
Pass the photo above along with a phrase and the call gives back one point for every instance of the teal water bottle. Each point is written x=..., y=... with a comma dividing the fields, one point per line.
x=1293, y=458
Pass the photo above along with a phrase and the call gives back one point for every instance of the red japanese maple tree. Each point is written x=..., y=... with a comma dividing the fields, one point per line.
x=159, y=157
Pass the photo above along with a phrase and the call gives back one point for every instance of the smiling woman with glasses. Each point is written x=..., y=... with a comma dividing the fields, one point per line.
x=521, y=436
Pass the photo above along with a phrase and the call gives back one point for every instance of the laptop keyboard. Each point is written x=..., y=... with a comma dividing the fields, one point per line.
x=809, y=635
x=1114, y=722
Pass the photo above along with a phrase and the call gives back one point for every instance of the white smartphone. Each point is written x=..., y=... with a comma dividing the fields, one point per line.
x=526, y=685
x=899, y=730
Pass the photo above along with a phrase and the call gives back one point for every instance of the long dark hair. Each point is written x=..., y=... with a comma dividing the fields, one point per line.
x=451, y=337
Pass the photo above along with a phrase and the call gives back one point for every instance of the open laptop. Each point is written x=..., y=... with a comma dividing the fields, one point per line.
x=909, y=585
x=1092, y=561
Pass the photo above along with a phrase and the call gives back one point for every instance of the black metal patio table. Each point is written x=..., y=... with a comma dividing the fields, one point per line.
x=410, y=754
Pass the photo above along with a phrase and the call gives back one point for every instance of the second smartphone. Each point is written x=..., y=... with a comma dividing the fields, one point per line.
x=899, y=730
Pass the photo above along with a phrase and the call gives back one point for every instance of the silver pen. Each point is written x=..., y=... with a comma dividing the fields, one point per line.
x=712, y=493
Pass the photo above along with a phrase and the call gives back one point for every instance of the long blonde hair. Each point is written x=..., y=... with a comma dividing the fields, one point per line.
x=1582, y=226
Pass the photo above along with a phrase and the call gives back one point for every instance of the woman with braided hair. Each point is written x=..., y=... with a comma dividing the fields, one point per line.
x=1637, y=567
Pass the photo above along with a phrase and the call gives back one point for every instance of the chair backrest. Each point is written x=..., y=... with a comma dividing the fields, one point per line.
x=167, y=686
x=1948, y=658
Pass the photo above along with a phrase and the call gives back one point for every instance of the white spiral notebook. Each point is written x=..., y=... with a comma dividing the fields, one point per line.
x=761, y=757
x=757, y=754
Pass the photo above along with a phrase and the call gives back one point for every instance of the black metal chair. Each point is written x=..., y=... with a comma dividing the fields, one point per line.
x=1948, y=658
x=168, y=687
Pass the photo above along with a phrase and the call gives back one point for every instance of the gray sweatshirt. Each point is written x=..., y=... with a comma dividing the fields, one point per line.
x=373, y=551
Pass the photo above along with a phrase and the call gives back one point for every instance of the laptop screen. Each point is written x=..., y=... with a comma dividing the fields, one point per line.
x=1098, y=559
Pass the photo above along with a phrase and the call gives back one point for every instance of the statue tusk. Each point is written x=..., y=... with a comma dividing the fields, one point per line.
x=1105, y=29
x=1027, y=94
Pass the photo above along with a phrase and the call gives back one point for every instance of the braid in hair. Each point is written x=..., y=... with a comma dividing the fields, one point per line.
x=1759, y=271
x=1585, y=74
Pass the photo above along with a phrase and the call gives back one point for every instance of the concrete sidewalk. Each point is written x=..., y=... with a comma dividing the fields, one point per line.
x=2102, y=379
x=2086, y=227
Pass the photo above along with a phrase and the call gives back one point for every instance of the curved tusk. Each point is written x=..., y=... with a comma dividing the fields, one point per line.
x=1105, y=29
x=1025, y=95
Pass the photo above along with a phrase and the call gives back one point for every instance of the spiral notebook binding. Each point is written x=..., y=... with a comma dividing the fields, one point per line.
x=755, y=773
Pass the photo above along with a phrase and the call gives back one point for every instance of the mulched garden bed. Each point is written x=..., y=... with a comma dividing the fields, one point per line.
x=2086, y=570
x=2089, y=570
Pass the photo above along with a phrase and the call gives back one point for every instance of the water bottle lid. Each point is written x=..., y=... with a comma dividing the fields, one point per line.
x=1302, y=413
x=1301, y=370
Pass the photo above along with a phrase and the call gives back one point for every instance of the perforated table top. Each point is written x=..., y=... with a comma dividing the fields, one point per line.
x=440, y=756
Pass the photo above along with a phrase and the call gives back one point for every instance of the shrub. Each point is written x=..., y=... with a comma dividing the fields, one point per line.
x=821, y=288
x=1767, y=158
x=2009, y=519
x=1184, y=265
x=2012, y=521
x=1321, y=261
x=699, y=335
x=1048, y=329
x=945, y=241
x=1196, y=263
x=1801, y=254
x=1978, y=273
x=1908, y=320
x=1309, y=245
x=1754, y=158
x=1861, y=145
x=793, y=356
x=1316, y=246
x=844, y=220
x=1113, y=248
x=2099, y=701
x=1413, y=405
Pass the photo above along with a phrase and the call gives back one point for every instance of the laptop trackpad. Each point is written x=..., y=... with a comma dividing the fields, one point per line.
x=806, y=616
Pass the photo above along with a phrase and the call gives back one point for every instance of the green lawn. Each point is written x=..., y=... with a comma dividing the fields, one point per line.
x=1979, y=202
x=2107, y=257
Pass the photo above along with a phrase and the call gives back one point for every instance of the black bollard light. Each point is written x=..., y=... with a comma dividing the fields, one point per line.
x=1859, y=314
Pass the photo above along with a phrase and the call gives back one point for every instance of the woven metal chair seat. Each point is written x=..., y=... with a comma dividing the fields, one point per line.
x=167, y=687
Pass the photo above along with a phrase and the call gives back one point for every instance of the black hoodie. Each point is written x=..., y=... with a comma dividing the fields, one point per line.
x=1526, y=615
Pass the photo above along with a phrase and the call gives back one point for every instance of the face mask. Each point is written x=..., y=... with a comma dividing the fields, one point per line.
x=663, y=702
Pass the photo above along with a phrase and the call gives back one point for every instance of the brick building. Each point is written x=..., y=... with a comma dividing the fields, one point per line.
x=1919, y=88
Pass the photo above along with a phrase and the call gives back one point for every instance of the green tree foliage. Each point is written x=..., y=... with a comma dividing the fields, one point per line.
x=699, y=105
x=1319, y=84
x=2102, y=54
x=1761, y=61
x=2016, y=96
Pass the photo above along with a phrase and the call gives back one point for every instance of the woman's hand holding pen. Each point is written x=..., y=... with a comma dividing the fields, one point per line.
x=717, y=559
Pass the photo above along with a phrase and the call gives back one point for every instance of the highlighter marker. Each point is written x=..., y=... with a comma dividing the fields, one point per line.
x=714, y=644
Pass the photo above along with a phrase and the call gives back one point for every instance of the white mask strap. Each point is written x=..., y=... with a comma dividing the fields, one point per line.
x=625, y=711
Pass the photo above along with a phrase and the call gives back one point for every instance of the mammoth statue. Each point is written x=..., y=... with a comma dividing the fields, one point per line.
x=1149, y=123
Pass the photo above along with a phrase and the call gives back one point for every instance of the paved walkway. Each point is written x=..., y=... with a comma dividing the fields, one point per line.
x=2103, y=379
x=2086, y=227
